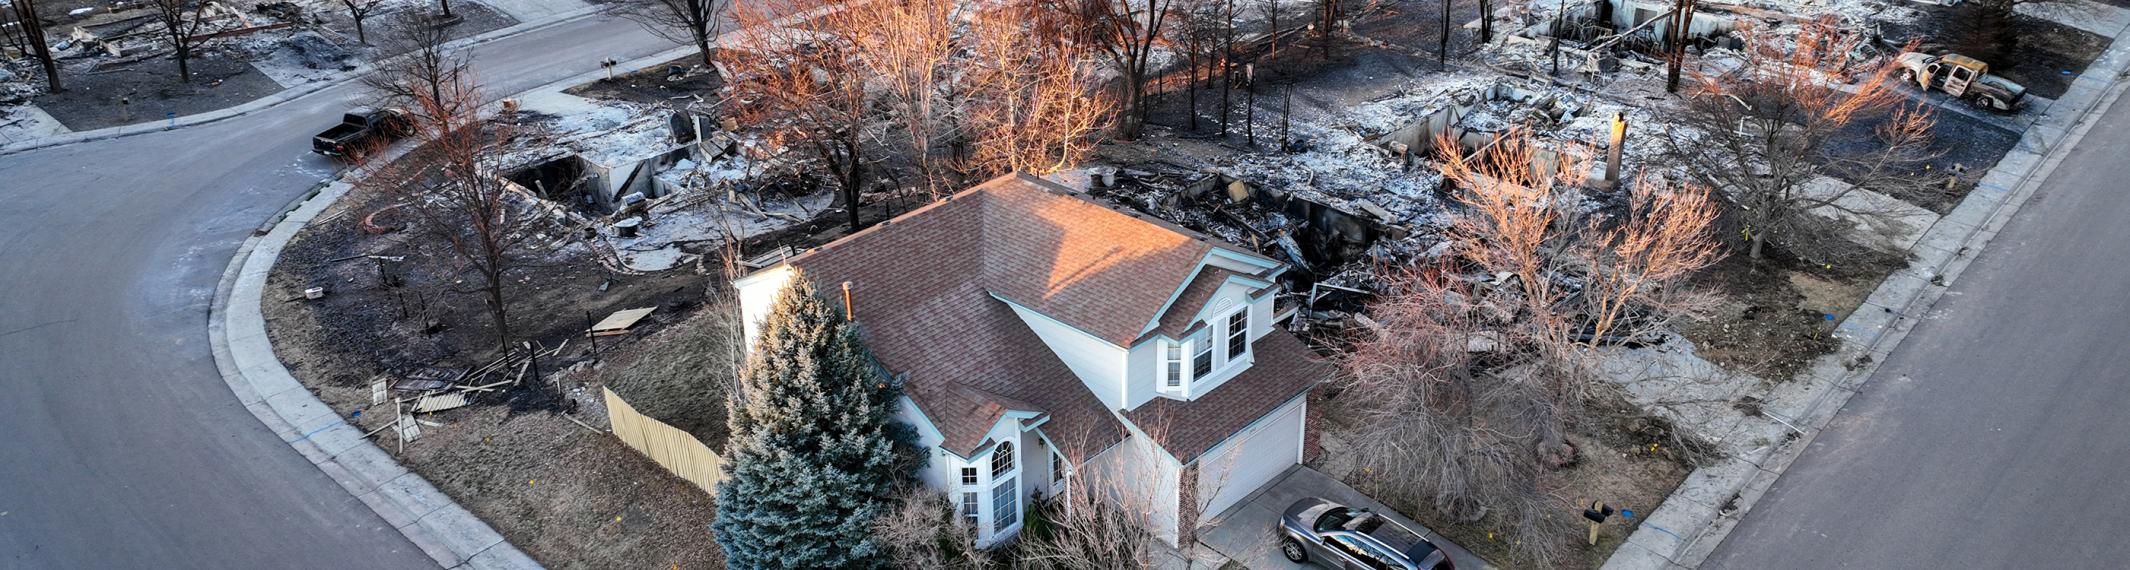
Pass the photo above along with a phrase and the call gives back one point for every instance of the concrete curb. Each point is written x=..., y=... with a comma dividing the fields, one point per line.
x=1694, y=520
x=236, y=330
x=283, y=96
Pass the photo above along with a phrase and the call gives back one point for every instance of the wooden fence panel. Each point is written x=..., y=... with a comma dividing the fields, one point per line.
x=670, y=447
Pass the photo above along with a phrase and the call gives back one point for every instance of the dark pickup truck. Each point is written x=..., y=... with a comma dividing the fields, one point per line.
x=359, y=131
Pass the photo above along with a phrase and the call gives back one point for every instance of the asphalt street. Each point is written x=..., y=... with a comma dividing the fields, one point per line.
x=1996, y=435
x=120, y=445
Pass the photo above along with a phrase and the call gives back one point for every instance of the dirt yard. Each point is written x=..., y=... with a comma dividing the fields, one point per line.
x=149, y=91
x=650, y=85
x=103, y=91
x=1627, y=460
x=569, y=496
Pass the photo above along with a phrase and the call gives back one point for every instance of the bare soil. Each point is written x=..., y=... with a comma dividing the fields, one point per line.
x=222, y=73
x=649, y=86
x=149, y=90
x=570, y=497
x=1779, y=315
x=1627, y=460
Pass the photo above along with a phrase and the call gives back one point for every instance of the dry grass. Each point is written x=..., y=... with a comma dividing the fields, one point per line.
x=568, y=496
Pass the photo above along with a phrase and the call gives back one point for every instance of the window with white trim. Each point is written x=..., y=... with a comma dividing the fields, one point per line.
x=1172, y=364
x=1202, y=359
x=1002, y=459
x=968, y=475
x=1057, y=468
x=1005, y=507
x=968, y=507
x=1239, y=334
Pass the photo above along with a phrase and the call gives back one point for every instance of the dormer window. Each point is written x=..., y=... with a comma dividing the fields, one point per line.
x=1216, y=350
x=1002, y=459
x=1239, y=334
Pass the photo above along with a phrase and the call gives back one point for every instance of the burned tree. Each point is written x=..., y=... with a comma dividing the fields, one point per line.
x=32, y=27
x=1197, y=32
x=426, y=79
x=360, y=11
x=1675, y=43
x=798, y=83
x=1465, y=393
x=181, y=22
x=1765, y=131
x=1125, y=32
x=452, y=181
x=695, y=22
x=906, y=51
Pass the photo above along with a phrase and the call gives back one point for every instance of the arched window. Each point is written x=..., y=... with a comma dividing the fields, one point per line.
x=1002, y=459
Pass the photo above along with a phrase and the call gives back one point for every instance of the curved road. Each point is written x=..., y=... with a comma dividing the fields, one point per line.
x=1994, y=436
x=120, y=445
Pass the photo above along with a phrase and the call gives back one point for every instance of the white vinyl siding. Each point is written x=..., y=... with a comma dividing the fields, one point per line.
x=1251, y=458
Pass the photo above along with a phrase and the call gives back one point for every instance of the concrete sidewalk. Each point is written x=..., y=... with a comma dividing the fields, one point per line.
x=1247, y=532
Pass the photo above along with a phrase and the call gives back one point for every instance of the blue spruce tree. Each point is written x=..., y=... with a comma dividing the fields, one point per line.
x=815, y=450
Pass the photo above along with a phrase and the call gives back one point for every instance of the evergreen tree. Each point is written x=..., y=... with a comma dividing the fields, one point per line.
x=815, y=451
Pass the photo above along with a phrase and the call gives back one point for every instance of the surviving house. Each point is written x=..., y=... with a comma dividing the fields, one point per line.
x=1042, y=336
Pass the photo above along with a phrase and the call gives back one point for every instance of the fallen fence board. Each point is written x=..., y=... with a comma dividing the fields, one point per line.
x=620, y=321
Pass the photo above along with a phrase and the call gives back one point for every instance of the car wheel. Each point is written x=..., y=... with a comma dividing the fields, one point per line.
x=1292, y=549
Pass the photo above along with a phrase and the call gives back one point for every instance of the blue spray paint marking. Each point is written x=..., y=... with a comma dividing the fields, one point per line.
x=336, y=421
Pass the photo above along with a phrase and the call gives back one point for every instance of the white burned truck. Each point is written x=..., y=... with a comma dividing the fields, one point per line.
x=1963, y=77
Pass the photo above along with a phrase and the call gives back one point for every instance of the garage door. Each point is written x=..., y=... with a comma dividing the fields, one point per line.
x=1251, y=460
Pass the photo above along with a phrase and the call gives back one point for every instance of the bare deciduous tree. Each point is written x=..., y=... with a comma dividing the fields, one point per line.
x=453, y=181
x=1031, y=106
x=1474, y=435
x=181, y=22
x=360, y=11
x=32, y=28
x=923, y=531
x=426, y=79
x=798, y=83
x=1764, y=131
x=694, y=22
x=907, y=49
x=1125, y=32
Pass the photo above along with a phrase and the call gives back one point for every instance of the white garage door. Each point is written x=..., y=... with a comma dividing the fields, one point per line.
x=1252, y=459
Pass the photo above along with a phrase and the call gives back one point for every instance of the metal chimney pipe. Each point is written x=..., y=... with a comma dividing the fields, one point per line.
x=849, y=314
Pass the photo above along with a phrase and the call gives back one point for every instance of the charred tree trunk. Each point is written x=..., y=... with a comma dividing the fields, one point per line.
x=1486, y=21
x=1442, y=53
x=1681, y=19
x=33, y=32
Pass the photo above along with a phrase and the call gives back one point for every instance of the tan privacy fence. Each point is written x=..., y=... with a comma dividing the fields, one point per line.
x=670, y=447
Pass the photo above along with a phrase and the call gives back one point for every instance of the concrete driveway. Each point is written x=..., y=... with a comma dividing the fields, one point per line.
x=1247, y=532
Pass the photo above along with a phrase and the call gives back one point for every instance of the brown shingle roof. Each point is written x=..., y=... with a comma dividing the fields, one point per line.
x=926, y=289
x=1284, y=368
